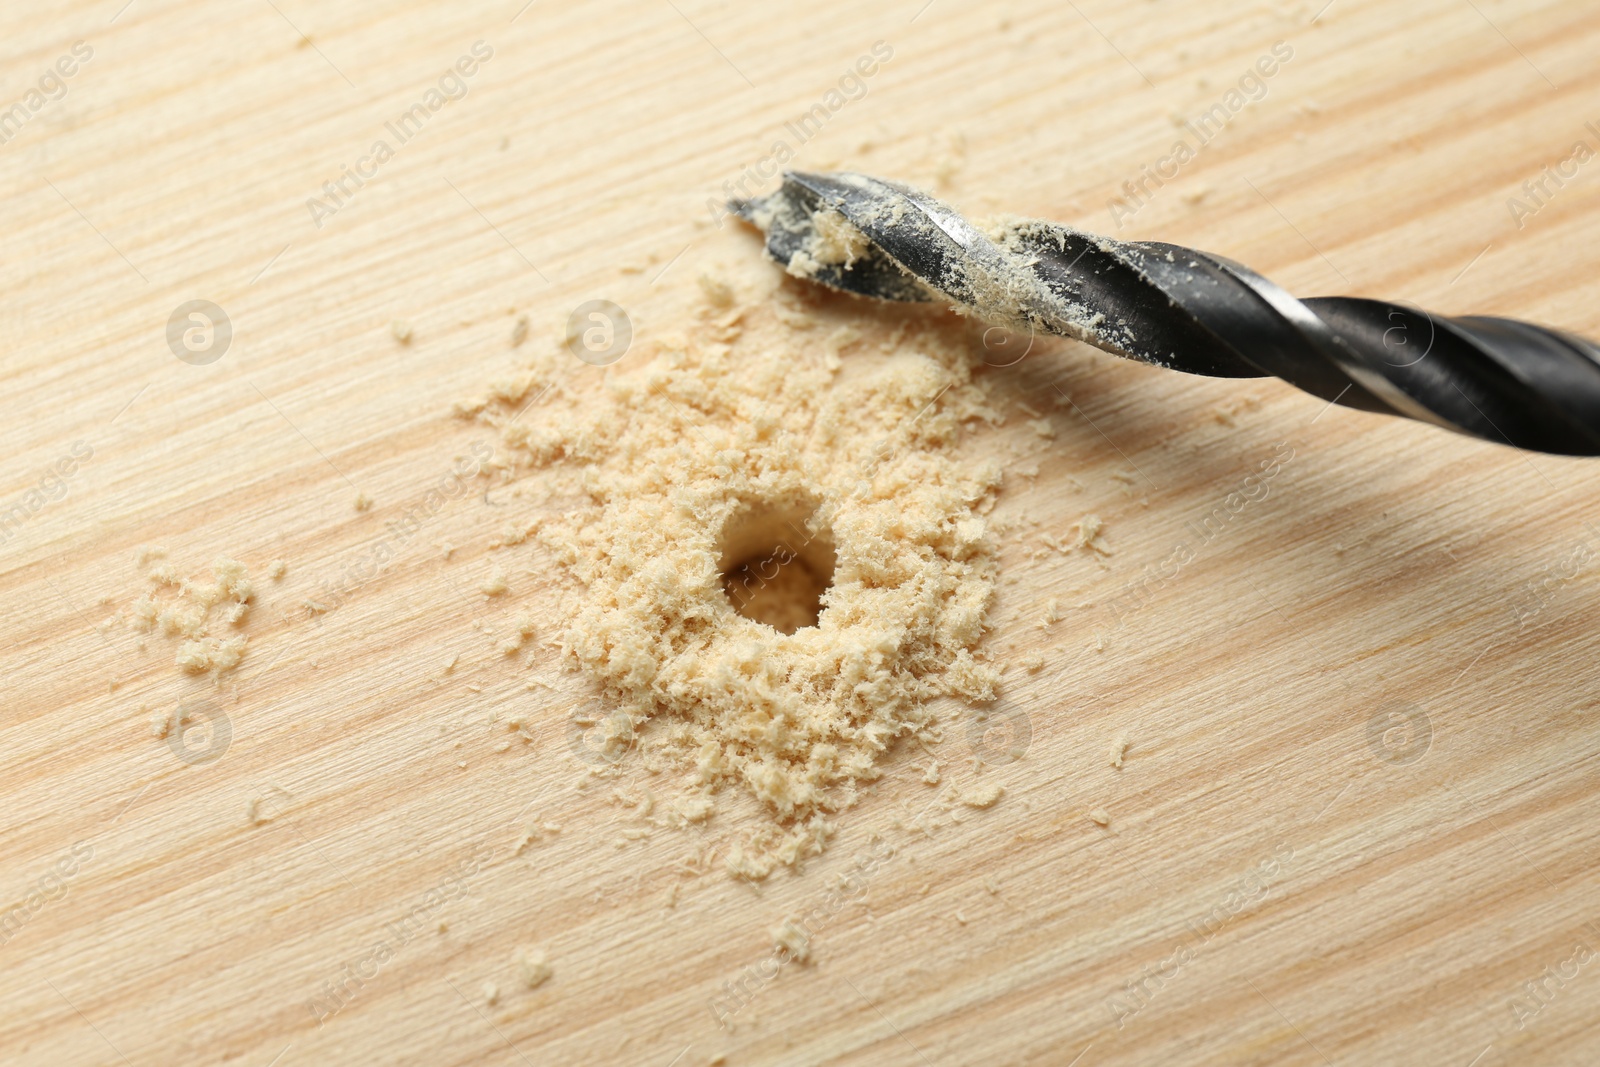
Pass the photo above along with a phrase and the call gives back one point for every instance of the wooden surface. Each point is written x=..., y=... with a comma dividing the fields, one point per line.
x=1409, y=885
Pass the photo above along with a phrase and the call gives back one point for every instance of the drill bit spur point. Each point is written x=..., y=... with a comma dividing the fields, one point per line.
x=1498, y=379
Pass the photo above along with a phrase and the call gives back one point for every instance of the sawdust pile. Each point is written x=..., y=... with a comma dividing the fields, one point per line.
x=751, y=428
x=204, y=614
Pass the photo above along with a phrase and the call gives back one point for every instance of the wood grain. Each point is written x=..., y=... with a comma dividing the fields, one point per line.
x=1404, y=896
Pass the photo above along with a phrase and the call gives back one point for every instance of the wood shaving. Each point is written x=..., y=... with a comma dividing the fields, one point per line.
x=534, y=834
x=1119, y=748
x=1086, y=535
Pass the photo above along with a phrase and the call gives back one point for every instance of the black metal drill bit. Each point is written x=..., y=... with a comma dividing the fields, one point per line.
x=1499, y=379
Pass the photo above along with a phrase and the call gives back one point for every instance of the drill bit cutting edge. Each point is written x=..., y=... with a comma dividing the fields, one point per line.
x=1498, y=379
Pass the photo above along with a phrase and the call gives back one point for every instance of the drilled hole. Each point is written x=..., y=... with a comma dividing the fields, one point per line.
x=777, y=562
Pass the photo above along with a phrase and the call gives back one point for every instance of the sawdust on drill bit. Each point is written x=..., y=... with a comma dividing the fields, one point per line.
x=748, y=420
x=986, y=269
x=834, y=243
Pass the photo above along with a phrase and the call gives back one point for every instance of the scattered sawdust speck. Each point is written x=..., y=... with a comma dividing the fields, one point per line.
x=982, y=796
x=533, y=967
x=495, y=584
x=792, y=938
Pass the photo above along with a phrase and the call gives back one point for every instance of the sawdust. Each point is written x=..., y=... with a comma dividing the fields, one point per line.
x=533, y=967
x=794, y=940
x=747, y=436
x=204, y=614
x=495, y=584
x=837, y=242
x=982, y=796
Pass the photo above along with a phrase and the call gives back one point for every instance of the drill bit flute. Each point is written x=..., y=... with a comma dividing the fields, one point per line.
x=1499, y=379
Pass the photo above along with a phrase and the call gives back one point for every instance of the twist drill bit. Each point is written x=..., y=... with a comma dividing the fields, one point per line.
x=1499, y=379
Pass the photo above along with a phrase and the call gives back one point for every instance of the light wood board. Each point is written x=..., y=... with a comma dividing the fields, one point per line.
x=1388, y=570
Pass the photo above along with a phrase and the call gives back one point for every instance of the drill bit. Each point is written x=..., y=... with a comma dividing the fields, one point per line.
x=1498, y=379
